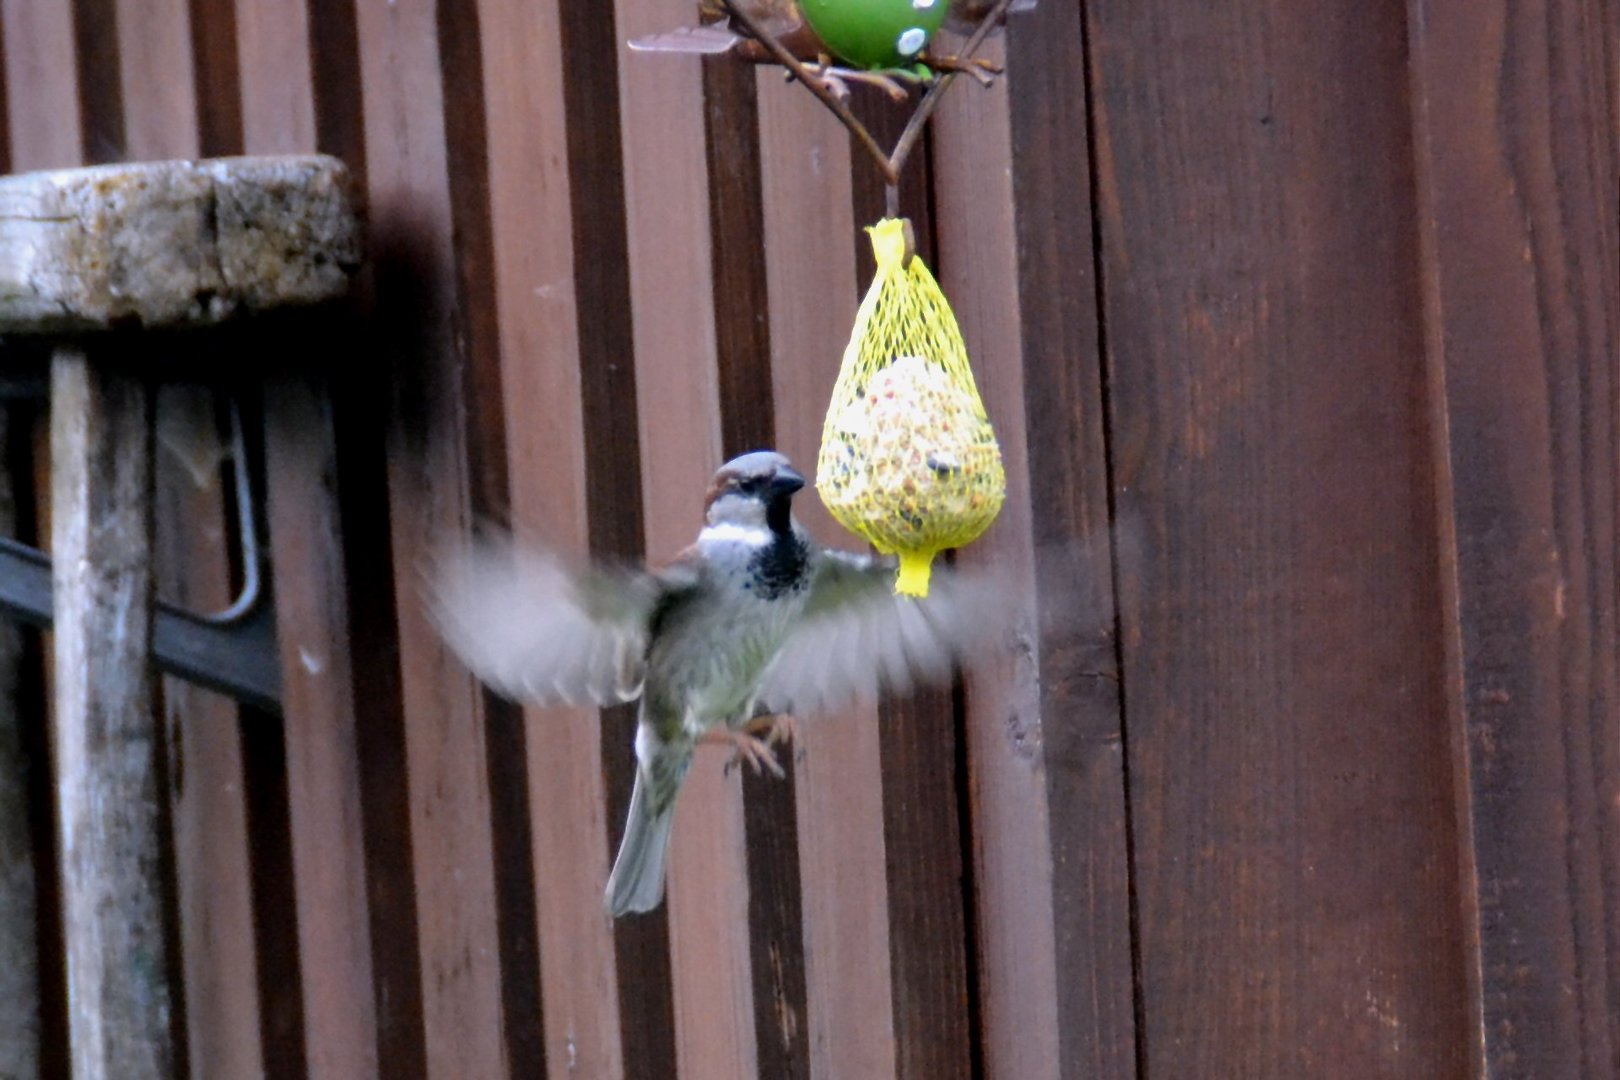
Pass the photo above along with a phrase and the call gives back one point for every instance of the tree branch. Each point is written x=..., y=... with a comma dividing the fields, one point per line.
x=889, y=165
x=930, y=101
x=816, y=87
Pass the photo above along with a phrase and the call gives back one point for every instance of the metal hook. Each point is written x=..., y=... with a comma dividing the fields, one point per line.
x=233, y=651
x=247, y=526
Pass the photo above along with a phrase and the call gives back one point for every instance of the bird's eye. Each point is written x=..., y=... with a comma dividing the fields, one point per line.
x=750, y=486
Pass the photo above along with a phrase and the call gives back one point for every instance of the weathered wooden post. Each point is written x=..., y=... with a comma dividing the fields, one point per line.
x=100, y=259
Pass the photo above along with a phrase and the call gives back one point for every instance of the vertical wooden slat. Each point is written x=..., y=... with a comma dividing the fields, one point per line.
x=217, y=77
x=506, y=739
x=608, y=395
x=415, y=317
x=667, y=206
x=1005, y=734
x=206, y=781
x=206, y=789
x=540, y=343
x=276, y=77
x=325, y=658
x=41, y=85
x=1522, y=291
x=1294, y=840
x=101, y=111
x=668, y=230
x=261, y=745
x=339, y=1019
x=808, y=230
x=747, y=422
x=1083, y=749
x=933, y=991
x=154, y=78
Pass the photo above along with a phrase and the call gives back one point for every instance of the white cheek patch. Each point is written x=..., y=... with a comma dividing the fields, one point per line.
x=752, y=535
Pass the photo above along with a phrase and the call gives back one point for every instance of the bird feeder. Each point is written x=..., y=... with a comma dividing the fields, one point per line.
x=875, y=34
x=908, y=457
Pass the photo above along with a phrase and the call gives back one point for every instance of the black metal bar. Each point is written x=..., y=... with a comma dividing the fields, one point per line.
x=238, y=658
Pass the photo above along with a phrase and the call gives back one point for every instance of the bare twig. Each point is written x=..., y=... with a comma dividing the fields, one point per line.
x=816, y=87
x=930, y=101
x=890, y=165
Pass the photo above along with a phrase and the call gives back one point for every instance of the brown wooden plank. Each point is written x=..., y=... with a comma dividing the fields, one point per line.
x=101, y=112
x=1083, y=749
x=323, y=755
x=192, y=555
x=668, y=240
x=261, y=748
x=277, y=77
x=931, y=947
x=411, y=196
x=276, y=955
x=808, y=233
x=339, y=1028
x=1518, y=169
x=206, y=782
x=1294, y=837
x=217, y=76
x=1004, y=735
x=542, y=305
x=747, y=422
x=155, y=88
x=41, y=85
x=506, y=740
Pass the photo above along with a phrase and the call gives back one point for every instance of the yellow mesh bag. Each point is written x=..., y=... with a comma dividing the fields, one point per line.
x=908, y=459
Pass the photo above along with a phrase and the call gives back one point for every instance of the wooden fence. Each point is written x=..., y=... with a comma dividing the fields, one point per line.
x=1299, y=325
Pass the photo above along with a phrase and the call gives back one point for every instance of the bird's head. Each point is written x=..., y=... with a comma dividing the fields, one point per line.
x=753, y=491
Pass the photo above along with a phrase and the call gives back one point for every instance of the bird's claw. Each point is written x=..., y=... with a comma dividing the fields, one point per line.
x=754, y=752
x=778, y=728
x=748, y=746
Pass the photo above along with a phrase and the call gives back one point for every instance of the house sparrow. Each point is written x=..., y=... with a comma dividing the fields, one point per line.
x=751, y=621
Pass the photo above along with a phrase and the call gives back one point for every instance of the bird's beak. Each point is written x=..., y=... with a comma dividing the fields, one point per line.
x=786, y=481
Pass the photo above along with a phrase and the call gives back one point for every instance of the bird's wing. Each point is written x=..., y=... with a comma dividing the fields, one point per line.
x=537, y=630
x=858, y=639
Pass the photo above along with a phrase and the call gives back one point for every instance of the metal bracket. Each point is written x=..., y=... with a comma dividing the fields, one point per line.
x=233, y=651
x=238, y=658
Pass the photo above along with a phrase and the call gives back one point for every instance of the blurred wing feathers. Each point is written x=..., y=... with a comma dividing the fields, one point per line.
x=536, y=630
x=859, y=640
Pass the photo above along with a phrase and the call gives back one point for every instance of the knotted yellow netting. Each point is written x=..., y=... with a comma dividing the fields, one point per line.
x=908, y=458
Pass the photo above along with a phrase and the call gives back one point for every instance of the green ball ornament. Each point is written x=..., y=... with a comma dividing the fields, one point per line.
x=875, y=34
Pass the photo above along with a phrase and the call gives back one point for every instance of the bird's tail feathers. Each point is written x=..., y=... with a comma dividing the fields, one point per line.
x=637, y=881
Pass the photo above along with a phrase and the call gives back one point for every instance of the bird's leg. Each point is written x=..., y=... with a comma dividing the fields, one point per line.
x=984, y=71
x=747, y=747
